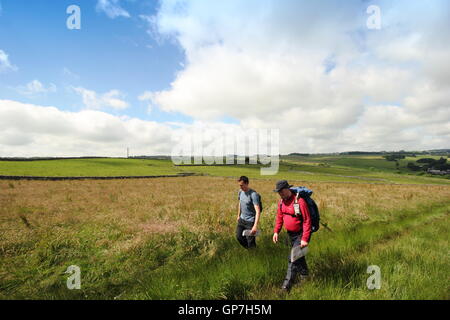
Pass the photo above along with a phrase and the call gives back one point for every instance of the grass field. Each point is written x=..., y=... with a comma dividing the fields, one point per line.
x=88, y=167
x=365, y=167
x=174, y=239
x=368, y=169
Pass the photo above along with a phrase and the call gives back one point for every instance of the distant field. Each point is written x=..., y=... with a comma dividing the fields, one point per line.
x=174, y=239
x=365, y=167
x=364, y=163
x=88, y=167
x=338, y=169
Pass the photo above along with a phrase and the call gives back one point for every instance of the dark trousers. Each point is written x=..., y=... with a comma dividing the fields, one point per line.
x=299, y=266
x=246, y=242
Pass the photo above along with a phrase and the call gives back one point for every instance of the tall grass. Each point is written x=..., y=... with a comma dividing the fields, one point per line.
x=174, y=238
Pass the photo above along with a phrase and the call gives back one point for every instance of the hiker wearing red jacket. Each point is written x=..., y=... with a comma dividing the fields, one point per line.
x=298, y=226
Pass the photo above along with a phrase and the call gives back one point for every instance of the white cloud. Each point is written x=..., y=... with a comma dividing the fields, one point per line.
x=267, y=65
x=36, y=87
x=31, y=130
x=110, y=99
x=148, y=97
x=112, y=8
x=5, y=64
x=264, y=63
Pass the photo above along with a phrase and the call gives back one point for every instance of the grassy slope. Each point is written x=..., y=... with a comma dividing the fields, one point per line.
x=133, y=239
x=87, y=167
x=373, y=168
x=129, y=244
x=408, y=261
x=354, y=169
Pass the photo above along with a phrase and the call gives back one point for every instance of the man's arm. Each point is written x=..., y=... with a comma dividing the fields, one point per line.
x=258, y=214
x=239, y=211
x=278, y=223
x=256, y=199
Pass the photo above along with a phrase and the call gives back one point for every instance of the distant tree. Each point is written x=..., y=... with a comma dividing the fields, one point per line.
x=394, y=157
x=426, y=160
x=413, y=167
x=441, y=164
x=356, y=153
x=442, y=167
x=299, y=154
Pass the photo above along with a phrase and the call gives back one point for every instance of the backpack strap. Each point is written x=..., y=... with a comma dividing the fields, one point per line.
x=258, y=204
x=251, y=199
x=297, y=196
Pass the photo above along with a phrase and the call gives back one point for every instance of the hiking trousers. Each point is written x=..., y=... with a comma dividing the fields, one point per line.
x=246, y=242
x=299, y=266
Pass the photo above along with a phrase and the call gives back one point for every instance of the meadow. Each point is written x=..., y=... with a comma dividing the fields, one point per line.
x=173, y=238
x=367, y=169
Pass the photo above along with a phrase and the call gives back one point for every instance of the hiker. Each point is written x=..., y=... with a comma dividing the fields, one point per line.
x=249, y=212
x=298, y=228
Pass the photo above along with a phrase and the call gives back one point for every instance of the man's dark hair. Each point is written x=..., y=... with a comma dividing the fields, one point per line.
x=243, y=179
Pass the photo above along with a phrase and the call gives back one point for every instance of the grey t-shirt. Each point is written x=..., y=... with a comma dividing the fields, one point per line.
x=248, y=200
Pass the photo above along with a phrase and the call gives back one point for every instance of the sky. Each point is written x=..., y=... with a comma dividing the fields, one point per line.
x=140, y=73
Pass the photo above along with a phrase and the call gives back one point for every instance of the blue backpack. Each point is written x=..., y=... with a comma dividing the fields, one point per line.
x=305, y=193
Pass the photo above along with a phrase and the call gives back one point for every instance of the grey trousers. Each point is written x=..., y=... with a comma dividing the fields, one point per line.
x=246, y=242
x=299, y=266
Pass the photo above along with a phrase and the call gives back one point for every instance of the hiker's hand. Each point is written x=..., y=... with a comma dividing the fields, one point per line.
x=303, y=244
x=254, y=231
x=275, y=237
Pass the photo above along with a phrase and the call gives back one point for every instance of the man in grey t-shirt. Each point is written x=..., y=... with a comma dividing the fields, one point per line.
x=248, y=213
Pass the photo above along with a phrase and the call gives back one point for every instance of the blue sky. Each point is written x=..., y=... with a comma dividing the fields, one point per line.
x=141, y=72
x=105, y=54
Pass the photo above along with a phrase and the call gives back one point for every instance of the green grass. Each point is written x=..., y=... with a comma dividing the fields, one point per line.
x=338, y=263
x=312, y=173
x=88, y=167
x=410, y=246
x=337, y=169
x=368, y=168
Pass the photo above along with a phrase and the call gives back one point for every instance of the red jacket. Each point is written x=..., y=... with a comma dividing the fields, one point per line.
x=291, y=223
